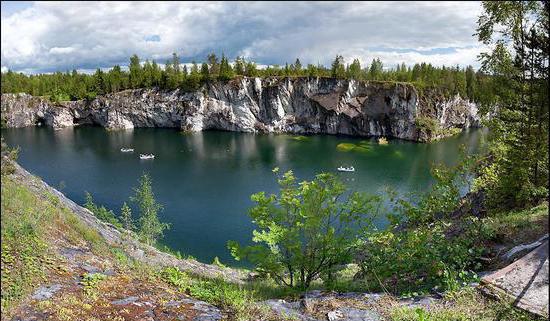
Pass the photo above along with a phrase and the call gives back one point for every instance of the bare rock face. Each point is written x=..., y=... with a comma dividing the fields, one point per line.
x=281, y=105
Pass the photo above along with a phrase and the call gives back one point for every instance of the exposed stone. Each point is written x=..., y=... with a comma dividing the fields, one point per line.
x=522, y=249
x=133, y=248
x=524, y=282
x=125, y=301
x=353, y=314
x=288, y=309
x=288, y=105
x=46, y=292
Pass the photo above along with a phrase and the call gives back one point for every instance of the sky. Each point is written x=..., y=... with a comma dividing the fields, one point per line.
x=58, y=36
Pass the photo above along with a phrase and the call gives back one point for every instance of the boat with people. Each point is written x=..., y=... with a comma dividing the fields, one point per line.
x=146, y=156
x=346, y=169
x=127, y=150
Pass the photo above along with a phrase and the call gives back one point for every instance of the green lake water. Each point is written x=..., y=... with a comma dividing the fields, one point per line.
x=204, y=180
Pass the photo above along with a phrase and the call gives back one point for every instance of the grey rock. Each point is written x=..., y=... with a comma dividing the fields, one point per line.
x=133, y=248
x=420, y=301
x=288, y=309
x=46, y=292
x=125, y=301
x=522, y=249
x=90, y=268
x=288, y=105
x=353, y=314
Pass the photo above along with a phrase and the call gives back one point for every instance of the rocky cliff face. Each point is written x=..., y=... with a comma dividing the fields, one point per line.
x=288, y=105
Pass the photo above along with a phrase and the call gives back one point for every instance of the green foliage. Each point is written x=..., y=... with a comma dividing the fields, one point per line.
x=516, y=169
x=90, y=281
x=126, y=217
x=423, y=247
x=24, y=253
x=421, y=258
x=217, y=262
x=464, y=305
x=338, y=69
x=427, y=125
x=73, y=86
x=8, y=157
x=101, y=212
x=443, y=196
x=150, y=227
x=227, y=296
x=306, y=231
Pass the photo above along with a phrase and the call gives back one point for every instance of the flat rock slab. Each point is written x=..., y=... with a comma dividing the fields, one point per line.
x=524, y=281
x=46, y=292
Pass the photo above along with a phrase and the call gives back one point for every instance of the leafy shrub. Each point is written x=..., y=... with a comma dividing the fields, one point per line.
x=424, y=247
x=422, y=258
x=308, y=230
x=8, y=156
x=427, y=125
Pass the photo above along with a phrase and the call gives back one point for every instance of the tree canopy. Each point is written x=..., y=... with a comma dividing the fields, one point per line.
x=72, y=85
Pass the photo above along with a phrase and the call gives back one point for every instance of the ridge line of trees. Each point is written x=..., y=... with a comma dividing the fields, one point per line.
x=61, y=86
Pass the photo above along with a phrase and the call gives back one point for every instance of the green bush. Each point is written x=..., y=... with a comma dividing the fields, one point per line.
x=307, y=231
x=422, y=258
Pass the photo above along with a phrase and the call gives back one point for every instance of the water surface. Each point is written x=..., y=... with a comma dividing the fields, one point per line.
x=204, y=180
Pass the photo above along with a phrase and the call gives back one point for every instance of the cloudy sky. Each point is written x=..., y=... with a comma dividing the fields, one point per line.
x=50, y=36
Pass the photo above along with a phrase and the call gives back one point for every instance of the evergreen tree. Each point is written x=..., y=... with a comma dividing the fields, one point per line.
x=354, y=70
x=150, y=227
x=471, y=83
x=338, y=69
x=126, y=217
x=518, y=32
x=226, y=72
x=239, y=66
x=214, y=66
x=99, y=82
x=376, y=69
x=297, y=68
x=135, y=72
x=205, y=73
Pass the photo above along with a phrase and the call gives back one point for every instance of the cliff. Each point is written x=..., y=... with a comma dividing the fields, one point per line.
x=279, y=105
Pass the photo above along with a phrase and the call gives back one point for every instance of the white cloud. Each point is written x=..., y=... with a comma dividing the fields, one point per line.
x=86, y=35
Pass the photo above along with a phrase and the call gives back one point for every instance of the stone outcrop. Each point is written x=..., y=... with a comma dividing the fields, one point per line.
x=280, y=105
x=133, y=248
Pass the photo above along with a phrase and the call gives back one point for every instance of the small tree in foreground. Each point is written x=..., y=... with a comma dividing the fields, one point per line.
x=306, y=231
x=150, y=227
x=126, y=217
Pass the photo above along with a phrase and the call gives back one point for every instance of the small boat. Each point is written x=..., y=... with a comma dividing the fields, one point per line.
x=346, y=169
x=127, y=150
x=146, y=156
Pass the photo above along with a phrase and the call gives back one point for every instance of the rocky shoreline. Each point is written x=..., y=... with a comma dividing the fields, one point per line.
x=261, y=105
x=133, y=248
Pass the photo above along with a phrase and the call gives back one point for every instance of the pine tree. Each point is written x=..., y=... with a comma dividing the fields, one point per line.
x=338, y=69
x=126, y=217
x=150, y=227
x=135, y=72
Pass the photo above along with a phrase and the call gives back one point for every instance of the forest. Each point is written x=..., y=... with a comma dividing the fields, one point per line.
x=59, y=86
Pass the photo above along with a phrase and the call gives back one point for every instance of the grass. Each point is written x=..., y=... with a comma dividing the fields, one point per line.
x=466, y=304
x=23, y=245
x=239, y=301
x=517, y=227
x=29, y=224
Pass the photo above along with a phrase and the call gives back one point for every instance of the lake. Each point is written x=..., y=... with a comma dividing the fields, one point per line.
x=204, y=180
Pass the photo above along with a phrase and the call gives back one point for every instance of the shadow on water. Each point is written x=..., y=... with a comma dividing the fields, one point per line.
x=204, y=180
